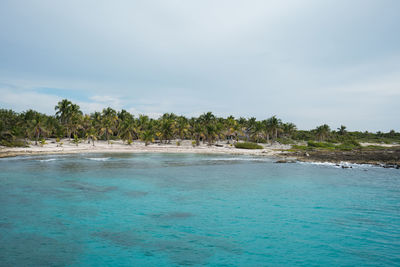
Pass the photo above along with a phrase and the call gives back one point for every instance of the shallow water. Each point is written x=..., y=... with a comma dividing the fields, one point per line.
x=189, y=209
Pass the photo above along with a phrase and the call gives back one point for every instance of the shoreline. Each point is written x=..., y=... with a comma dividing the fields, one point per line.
x=137, y=147
x=387, y=157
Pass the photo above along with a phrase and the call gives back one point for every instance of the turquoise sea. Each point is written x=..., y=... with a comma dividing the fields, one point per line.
x=190, y=209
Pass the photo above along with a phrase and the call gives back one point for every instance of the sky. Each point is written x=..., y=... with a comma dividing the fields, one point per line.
x=308, y=62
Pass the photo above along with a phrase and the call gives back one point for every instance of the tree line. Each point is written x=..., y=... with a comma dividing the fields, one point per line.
x=70, y=122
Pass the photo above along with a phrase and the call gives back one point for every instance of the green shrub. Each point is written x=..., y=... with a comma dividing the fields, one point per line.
x=301, y=147
x=320, y=144
x=352, y=142
x=42, y=142
x=76, y=140
x=345, y=147
x=248, y=145
x=332, y=140
x=12, y=143
x=349, y=144
x=375, y=147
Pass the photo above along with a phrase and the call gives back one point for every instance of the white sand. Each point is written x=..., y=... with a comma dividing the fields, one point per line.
x=379, y=144
x=138, y=147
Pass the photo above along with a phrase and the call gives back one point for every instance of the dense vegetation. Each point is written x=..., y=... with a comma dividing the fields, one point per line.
x=248, y=145
x=18, y=129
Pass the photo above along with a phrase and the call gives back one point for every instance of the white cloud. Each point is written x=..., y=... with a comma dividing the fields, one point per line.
x=21, y=101
x=256, y=58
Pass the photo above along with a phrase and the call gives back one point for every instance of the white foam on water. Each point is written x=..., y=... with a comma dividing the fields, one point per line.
x=239, y=159
x=342, y=164
x=98, y=159
x=47, y=160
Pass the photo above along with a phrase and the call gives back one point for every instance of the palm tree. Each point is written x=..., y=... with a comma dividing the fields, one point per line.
x=64, y=108
x=209, y=127
x=230, y=127
x=123, y=117
x=127, y=130
x=266, y=129
x=91, y=134
x=274, y=125
x=166, y=127
x=147, y=137
x=220, y=129
x=51, y=125
x=257, y=131
x=342, y=130
x=196, y=130
x=108, y=122
x=250, y=125
x=86, y=125
x=37, y=127
x=289, y=128
x=322, y=132
x=75, y=122
x=181, y=127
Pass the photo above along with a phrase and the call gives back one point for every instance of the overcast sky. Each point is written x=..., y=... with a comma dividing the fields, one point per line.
x=307, y=61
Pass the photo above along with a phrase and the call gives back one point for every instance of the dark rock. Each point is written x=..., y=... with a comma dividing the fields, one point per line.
x=285, y=161
x=384, y=157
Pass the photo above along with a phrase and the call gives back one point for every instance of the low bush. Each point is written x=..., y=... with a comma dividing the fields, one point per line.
x=12, y=143
x=301, y=147
x=42, y=142
x=76, y=140
x=349, y=145
x=248, y=145
x=352, y=142
x=321, y=144
x=373, y=147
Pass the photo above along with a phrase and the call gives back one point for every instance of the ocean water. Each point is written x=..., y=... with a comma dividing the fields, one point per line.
x=190, y=209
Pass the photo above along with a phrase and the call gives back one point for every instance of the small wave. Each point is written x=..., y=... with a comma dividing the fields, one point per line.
x=341, y=165
x=356, y=165
x=47, y=160
x=239, y=159
x=330, y=164
x=98, y=159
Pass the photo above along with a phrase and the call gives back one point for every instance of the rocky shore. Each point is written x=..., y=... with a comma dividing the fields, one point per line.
x=387, y=157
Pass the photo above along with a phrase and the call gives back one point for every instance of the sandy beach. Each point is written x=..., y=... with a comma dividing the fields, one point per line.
x=52, y=147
